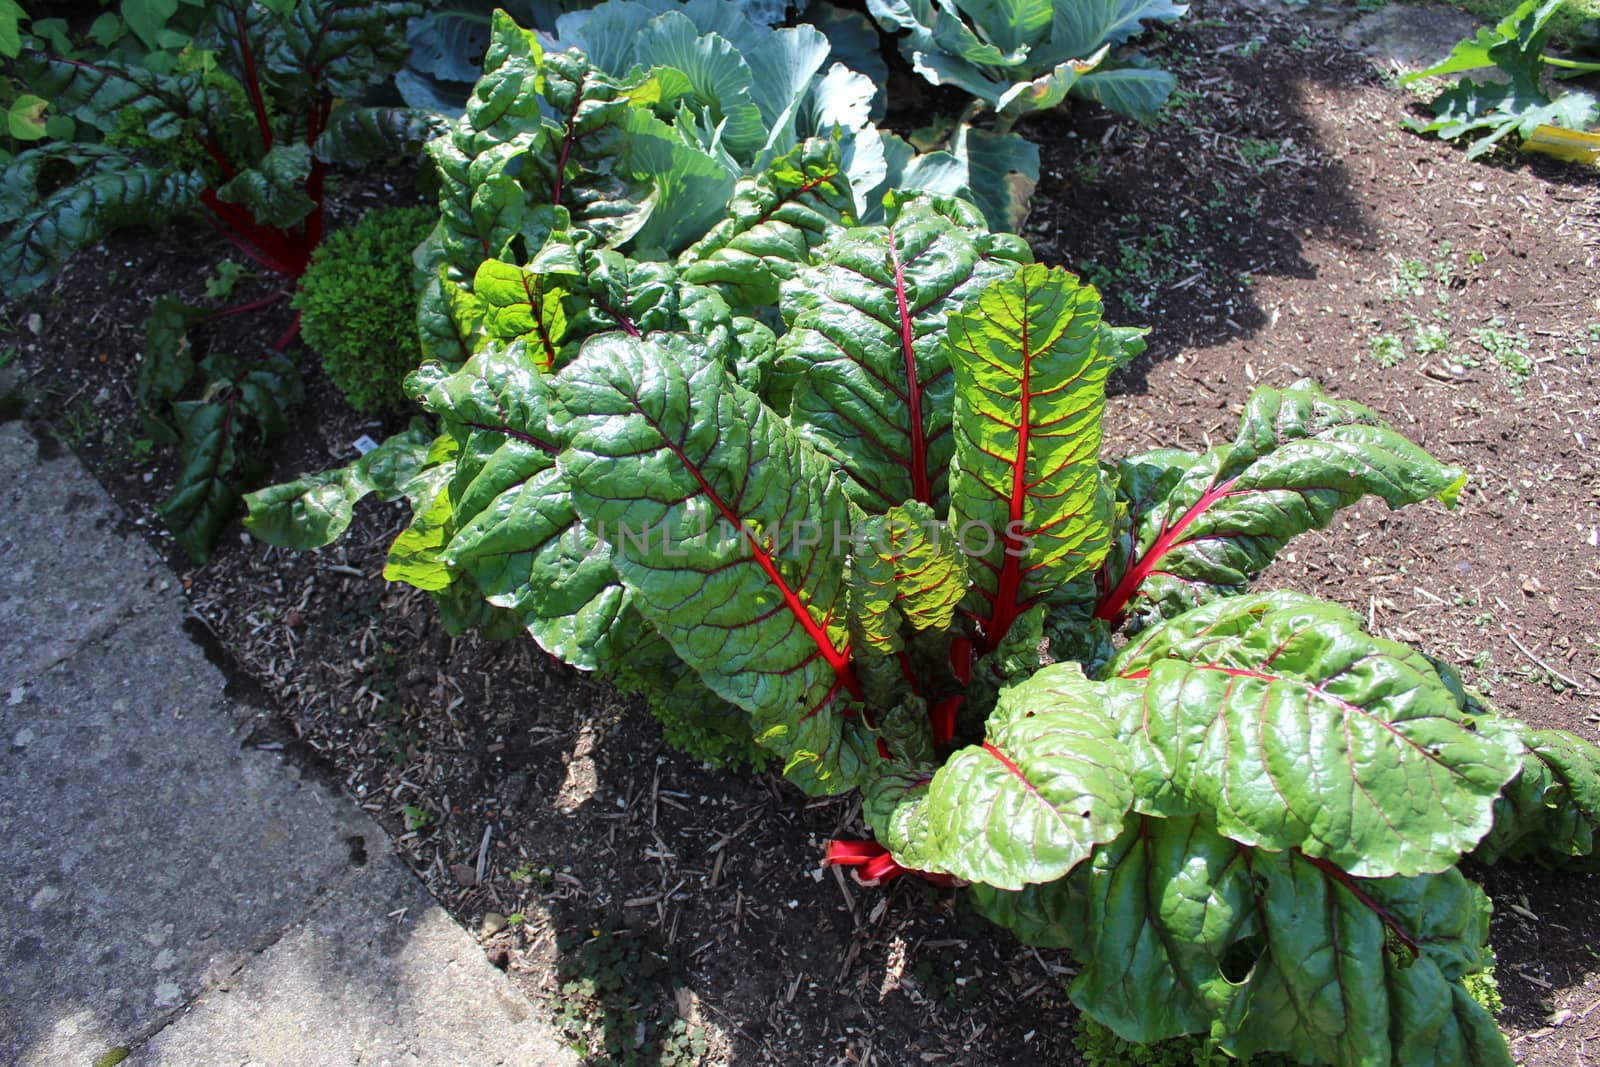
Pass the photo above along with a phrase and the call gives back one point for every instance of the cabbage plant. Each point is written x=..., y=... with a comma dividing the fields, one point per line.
x=1022, y=58
x=836, y=489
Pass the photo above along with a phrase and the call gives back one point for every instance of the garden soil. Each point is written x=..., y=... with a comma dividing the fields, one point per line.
x=1277, y=223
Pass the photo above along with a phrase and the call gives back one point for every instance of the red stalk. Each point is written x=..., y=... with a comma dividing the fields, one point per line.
x=287, y=337
x=254, y=305
x=1114, y=605
x=875, y=864
x=1005, y=609
x=251, y=82
x=1383, y=914
x=921, y=486
x=838, y=659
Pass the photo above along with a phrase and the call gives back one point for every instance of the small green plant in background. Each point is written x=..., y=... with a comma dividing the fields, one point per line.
x=618, y=1002
x=417, y=818
x=1100, y=1046
x=1506, y=350
x=1258, y=152
x=357, y=305
x=1386, y=350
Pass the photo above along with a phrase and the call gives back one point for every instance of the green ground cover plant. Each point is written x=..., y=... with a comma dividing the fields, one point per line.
x=357, y=305
x=834, y=488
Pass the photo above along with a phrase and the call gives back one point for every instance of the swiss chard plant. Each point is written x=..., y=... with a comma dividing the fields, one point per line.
x=1019, y=59
x=1516, y=100
x=836, y=489
x=243, y=128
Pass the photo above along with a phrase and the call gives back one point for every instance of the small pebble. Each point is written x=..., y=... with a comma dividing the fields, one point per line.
x=493, y=923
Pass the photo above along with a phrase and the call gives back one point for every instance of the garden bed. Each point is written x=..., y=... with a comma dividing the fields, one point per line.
x=1276, y=224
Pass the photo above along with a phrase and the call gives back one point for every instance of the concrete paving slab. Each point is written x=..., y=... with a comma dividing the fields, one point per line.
x=165, y=894
x=64, y=577
x=142, y=849
x=377, y=976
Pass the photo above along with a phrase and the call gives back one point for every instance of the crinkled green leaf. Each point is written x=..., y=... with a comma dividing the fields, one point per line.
x=1050, y=782
x=314, y=511
x=417, y=555
x=511, y=528
x=864, y=366
x=360, y=135
x=1179, y=930
x=1300, y=455
x=1028, y=500
x=167, y=363
x=274, y=190
x=1550, y=813
x=340, y=46
x=1276, y=716
x=108, y=190
x=775, y=222
x=203, y=497
x=905, y=570
x=100, y=93
x=706, y=499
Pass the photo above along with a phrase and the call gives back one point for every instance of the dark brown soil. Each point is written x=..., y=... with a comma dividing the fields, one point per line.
x=1266, y=229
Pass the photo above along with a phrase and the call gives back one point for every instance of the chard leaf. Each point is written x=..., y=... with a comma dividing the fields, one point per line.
x=108, y=189
x=274, y=190
x=362, y=135
x=775, y=222
x=1030, y=370
x=511, y=526
x=202, y=497
x=1050, y=782
x=314, y=511
x=338, y=46
x=1300, y=455
x=1179, y=930
x=904, y=571
x=1276, y=716
x=864, y=364
x=417, y=555
x=1550, y=813
x=519, y=304
x=705, y=497
x=167, y=363
x=98, y=94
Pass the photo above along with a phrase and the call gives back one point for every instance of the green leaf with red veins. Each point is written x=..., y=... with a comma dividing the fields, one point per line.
x=1550, y=813
x=721, y=521
x=776, y=221
x=1300, y=456
x=511, y=527
x=520, y=304
x=1029, y=501
x=1051, y=781
x=864, y=369
x=904, y=570
x=1178, y=930
x=1277, y=716
x=314, y=511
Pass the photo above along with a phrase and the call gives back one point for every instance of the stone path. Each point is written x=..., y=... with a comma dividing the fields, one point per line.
x=166, y=895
